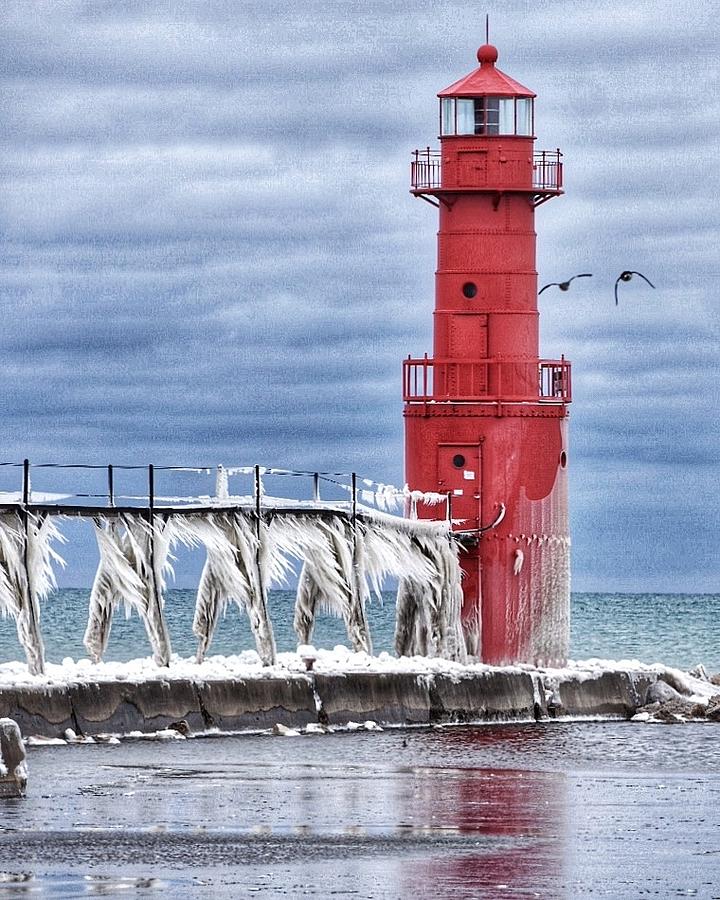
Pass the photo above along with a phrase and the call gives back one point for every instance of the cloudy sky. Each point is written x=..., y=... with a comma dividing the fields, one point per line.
x=209, y=251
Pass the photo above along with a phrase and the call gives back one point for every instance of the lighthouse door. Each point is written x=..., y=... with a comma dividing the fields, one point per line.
x=467, y=343
x=459, y=474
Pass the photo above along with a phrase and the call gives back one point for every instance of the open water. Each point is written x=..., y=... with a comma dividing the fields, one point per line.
x=676, y=629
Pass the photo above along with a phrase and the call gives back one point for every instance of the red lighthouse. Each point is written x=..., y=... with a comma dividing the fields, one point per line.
x=485, y=417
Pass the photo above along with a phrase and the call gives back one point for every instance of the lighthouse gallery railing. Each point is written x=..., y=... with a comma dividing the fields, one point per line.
x=486, y=381
x=426, y=170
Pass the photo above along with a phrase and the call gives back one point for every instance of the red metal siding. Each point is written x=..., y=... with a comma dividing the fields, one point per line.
x=488, y=398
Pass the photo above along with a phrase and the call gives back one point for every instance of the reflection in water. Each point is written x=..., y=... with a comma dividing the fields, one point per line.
x=523, y=811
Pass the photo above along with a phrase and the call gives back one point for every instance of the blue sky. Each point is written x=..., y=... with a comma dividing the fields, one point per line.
x=209, y=251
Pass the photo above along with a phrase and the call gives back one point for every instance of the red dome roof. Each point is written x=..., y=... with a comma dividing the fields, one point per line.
x=487, y=80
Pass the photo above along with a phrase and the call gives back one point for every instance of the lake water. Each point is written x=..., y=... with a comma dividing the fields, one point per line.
x=676, y=629
x=566, y=810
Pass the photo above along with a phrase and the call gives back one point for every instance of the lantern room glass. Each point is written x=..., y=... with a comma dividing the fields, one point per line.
x=507, y=116
x=465, y=117
x=447, y=116
x=486, y=115
x=524, y=116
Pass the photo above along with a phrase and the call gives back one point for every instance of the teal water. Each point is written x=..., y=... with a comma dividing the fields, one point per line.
x=676, y=629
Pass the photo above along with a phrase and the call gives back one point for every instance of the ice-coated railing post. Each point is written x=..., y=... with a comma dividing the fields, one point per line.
x=156, y=617
x=222, y=486
x=358, y=628
x=151, y=517
x=262, y=626
x=151, y=514
x=353, y=482
x=316, y=487
x=111, y=487
x=448, y=507
x=28, y=619
x=257, y=490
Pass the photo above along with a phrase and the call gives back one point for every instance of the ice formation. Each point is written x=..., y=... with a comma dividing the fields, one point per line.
x=333, y=575
x=133, y=561
x=239, y=568
x=26, y=577
x=344, y=556
x=13, y=768
x=428, y=609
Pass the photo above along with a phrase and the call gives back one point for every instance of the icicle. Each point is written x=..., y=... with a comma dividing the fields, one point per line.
x=158, y=542
x=359, y=629
x=306, y=602
x=257, y=606
x=428, y=608
x=411, y=620
x=105, y=593
x=237, y=568
x=332, y=577
x=27, y=577
x=28, y=613
x=340, y=569
x=133, y=562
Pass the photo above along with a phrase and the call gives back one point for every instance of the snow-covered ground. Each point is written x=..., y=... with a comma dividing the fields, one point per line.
x=338, y=661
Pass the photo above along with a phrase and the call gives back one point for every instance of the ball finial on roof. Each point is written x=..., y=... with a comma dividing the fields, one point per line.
x=487, y=54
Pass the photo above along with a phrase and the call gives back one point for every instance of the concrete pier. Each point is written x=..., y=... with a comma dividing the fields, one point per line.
x=297, y=699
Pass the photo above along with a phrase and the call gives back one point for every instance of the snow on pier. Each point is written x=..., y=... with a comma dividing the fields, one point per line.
x=345, y=547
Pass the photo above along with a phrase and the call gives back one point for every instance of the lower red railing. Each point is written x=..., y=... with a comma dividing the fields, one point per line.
x=486, y=380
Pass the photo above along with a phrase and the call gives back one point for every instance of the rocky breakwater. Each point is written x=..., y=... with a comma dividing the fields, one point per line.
x=324, y=689
x=677, y=700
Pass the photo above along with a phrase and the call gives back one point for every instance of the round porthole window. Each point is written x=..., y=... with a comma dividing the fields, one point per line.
x=469, y=289
x=458, y=460
x=563, y=459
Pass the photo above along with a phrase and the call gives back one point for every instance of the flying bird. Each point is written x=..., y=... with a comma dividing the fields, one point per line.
x=626, y=276
x=564, y=285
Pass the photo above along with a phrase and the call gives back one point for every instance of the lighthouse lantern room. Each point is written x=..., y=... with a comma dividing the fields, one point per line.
x=485, y=416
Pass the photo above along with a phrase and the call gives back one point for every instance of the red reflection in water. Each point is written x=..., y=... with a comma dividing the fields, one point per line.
x=518, y=816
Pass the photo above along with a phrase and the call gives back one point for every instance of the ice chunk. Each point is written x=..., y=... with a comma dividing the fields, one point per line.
x=13, y=768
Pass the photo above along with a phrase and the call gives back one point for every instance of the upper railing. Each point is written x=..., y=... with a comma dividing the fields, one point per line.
x=426, y=172
x=430, y=380
x=548, y=171
x=89, y=490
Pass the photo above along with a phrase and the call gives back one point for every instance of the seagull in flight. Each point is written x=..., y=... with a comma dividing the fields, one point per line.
x=565, y=285
x=627, y=276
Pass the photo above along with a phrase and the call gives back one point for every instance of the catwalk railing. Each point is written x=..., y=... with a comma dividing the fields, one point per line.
x=346, y=543
x=426, y=174
x=429, y=380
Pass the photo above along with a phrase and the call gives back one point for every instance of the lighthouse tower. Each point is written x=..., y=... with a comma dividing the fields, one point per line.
x=485, y=417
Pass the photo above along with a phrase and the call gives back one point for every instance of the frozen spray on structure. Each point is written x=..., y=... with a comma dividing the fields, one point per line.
x=485, y=417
